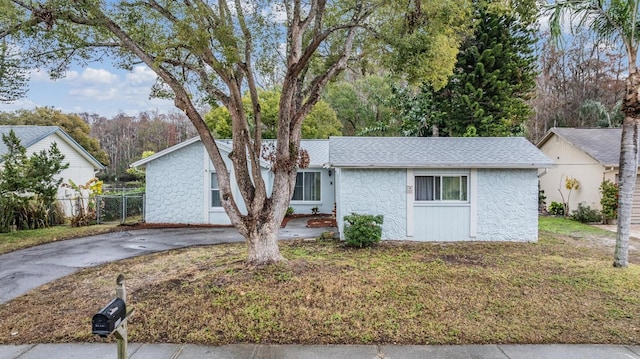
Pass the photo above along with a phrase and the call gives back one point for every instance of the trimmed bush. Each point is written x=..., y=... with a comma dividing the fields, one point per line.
x=586, y=214
x=362, y=230
x=556, y=209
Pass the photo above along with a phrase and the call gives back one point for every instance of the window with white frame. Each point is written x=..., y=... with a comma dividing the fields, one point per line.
x=215, y=191
x=307, y=187
x=442, y=188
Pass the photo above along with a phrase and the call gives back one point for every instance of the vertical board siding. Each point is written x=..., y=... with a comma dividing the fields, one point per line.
x=442, y=222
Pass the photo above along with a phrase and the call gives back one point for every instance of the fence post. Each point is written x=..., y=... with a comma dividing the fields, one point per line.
x=124, y=207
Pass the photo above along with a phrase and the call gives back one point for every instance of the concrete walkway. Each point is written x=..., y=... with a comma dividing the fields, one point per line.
x=247, y=351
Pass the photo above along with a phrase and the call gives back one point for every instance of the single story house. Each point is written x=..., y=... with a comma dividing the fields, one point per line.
x=430, y=189
x=82, y=165
x=441, y=189
x=182, y=187
x=590, y=155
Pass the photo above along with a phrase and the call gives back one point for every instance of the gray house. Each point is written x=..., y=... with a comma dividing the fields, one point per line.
x=428, y=189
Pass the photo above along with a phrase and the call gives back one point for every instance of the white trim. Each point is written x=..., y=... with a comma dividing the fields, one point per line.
x=318, y=171
x=473, y=200
x=410, y=189
x=207, y=184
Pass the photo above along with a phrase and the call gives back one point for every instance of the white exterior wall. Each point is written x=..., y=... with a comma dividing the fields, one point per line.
x=327, y=195
x=507, y=205
x=446, y=221
x=80, y=170
x=174, y=188
x=374, y=191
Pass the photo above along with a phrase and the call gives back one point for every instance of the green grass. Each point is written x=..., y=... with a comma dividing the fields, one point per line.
x=564, y=226
x=562, y=289
x=29, y=238
x=559, y=290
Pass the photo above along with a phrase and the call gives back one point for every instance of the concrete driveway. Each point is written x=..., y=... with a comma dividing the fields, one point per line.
x=26, y=269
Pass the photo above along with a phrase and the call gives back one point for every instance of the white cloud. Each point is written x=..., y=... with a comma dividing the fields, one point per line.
x=141, y=74
x=98, y=76
x=40, y=75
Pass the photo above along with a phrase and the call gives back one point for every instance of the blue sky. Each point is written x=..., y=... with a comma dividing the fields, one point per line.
x=98, y=88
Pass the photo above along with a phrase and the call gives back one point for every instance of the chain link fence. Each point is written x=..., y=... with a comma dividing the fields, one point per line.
x=123, y=208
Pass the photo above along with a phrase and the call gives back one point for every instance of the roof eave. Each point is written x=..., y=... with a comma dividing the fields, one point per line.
x=456, y=165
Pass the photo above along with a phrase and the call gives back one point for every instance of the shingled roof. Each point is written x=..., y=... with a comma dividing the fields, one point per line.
x=436, y=152
x=30, y=135
x=603, y=144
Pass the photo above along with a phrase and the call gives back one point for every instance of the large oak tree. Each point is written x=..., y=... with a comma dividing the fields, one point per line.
x=215, y=51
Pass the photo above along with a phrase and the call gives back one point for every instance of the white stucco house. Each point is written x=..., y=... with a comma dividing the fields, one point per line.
x=82, y=165
x=182, y=187
x=441, y=189
x=427, y=189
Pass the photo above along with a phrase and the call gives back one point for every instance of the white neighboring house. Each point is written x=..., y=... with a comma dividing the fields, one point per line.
x=82, y=165
x=427, y=189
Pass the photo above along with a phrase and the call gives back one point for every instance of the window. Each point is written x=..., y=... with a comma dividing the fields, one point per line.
x=307, y=187
x=441, y=188
x=215, y=191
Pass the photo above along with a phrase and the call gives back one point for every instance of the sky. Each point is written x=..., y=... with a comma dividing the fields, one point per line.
x=98, y=88
x=103, y=89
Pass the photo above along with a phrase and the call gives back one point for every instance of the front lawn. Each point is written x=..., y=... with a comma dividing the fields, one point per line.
x=562, y=289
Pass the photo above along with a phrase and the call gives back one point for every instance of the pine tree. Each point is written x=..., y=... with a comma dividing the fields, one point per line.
x=493, y=79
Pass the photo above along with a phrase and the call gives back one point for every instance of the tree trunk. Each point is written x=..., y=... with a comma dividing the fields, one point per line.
x=628, y=169
x=262, y=244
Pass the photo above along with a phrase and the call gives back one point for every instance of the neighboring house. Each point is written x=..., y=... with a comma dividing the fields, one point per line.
x=432, y=189
x=182, y=187
x=82, y=165
x=441, y=189
x=589, y=155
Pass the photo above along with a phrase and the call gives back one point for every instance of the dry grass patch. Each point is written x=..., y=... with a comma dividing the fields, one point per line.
x=554, y=291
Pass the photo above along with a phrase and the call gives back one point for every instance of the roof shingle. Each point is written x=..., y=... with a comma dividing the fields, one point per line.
x=436, y=152
x=603, y=144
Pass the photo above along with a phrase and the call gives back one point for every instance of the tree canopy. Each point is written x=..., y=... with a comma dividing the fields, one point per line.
x=72, y=124
x=216, y=51
x=614, y=22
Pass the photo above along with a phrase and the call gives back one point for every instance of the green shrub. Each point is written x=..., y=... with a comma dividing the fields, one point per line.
x=289, y=211
x=362, y=230
x=556, y=209
x=609, y=200
x=586, y=214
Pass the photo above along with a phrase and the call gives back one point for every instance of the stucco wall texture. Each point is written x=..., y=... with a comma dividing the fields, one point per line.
x=376, y=191
x=175, y=187
x=506, y=202
x=507, y=205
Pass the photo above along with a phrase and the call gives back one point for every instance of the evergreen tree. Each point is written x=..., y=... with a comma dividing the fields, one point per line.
x=494, y=77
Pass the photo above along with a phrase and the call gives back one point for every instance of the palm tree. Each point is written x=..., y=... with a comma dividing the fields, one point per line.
x=604, y=117
x=613, y=21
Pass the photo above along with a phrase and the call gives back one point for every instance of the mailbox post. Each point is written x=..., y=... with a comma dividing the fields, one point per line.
x=112, y=319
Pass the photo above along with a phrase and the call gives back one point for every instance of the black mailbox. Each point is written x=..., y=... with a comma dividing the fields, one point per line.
x=109, y=318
